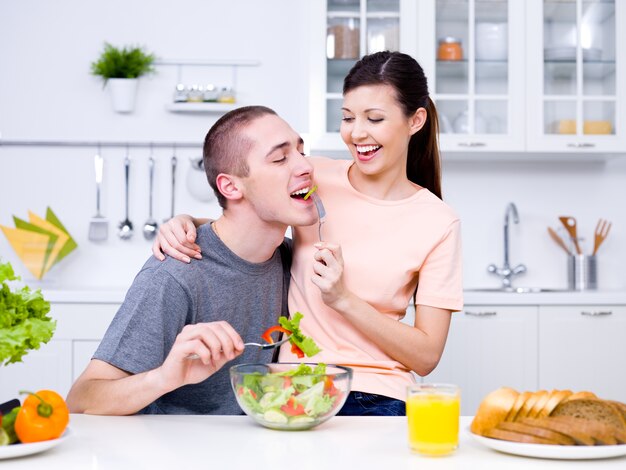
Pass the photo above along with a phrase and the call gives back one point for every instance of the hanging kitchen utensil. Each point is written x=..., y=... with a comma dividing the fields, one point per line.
x=174, y=162
x=99, y=225
x=126, y=226
x=602, y=231
x=150, y=227
x=559, y=241
x=569, y=223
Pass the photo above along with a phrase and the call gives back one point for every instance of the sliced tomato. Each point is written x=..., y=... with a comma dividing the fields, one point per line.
x=287, y=382
x=241, y=391
x=292, y=408
x=297, y=351
x=267, y=333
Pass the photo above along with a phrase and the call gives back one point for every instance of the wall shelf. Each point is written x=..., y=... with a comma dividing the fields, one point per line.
x=201, y=107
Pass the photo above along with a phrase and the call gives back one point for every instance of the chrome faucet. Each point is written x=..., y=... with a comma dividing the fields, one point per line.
x=506, y=272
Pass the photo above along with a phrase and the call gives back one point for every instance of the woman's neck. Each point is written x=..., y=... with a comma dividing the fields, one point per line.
x=389, y=186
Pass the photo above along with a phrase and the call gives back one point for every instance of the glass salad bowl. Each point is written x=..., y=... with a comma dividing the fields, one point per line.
x=290, y=396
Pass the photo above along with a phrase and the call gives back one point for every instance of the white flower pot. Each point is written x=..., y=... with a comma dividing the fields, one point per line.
x=123, y=92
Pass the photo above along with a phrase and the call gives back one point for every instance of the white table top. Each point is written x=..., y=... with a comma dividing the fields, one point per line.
x=236, y=442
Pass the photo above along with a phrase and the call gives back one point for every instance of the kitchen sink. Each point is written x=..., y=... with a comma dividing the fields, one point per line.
x=516, y=290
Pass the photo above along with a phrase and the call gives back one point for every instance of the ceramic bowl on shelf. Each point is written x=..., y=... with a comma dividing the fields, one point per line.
x=290, y=396
x=492, y=41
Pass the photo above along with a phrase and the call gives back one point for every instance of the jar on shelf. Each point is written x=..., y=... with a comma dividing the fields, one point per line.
x=180, y=94
x=450, y=49
x=211, y=93
x=195, y=94
x=342, y=39
x=227, y=95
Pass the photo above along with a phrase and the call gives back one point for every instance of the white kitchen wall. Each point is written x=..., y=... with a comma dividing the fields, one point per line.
x=47, y=93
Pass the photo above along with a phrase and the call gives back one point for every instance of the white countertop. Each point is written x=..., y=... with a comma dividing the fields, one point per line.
x=113, y=295
x=236, y=442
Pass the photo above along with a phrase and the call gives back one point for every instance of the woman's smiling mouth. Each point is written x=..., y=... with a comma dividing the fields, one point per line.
x=366, y=152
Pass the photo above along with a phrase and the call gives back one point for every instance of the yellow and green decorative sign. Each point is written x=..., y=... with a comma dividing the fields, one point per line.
x=39, y=243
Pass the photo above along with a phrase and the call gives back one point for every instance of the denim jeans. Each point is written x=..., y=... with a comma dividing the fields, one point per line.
x=368, y=404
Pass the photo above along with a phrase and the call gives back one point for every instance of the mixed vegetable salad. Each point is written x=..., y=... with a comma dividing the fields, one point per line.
x=297, y=396
x=300, y=345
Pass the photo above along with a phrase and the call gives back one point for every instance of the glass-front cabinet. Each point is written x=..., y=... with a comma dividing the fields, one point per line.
x=353, y=28
x=507, y=76
x=474, y=59
x=576, y=101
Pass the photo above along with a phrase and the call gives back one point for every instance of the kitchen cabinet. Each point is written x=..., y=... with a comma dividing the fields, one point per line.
x=478, y=93
x=488, y=347
x=583, y=348
x=516, y=87
x=55, y=365
x=341, y=32
x=49, y=367
x=576, y=75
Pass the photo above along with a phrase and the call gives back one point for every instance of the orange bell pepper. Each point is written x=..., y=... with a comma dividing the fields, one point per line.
x=43, y=416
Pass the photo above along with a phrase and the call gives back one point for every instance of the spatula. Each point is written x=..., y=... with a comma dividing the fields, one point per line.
x=559, y=241
x=99, y=225
x=569, y=223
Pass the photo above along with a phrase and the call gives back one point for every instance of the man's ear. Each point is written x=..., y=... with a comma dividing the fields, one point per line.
x=417, y=121
x=229, y=186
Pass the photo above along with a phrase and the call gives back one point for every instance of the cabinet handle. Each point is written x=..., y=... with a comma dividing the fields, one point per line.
x=481, y=314
x=599, y=313
x=472, y=144
x=581, y=145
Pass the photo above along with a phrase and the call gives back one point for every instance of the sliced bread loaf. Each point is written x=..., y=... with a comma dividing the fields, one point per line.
x=538, y=431
x=497, y=433
x=493, y=409
x=592, y=409
x=579, y=436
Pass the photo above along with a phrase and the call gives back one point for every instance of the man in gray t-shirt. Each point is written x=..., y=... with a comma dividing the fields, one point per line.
x=254, y=162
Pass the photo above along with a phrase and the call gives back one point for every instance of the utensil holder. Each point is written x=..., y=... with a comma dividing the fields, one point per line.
x=582, y=272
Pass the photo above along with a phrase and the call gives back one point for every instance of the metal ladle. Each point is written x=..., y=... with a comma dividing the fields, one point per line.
x=126, y=226
x=150, y=227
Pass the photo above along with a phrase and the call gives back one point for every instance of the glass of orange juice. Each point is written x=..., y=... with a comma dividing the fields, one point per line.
x=433, y=414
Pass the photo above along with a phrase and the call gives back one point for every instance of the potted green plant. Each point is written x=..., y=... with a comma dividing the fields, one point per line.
x=120, y=68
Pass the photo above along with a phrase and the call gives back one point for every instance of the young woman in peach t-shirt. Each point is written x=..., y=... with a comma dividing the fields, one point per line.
x=386, y=229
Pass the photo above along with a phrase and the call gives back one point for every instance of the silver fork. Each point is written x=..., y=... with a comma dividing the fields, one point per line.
x=263, y=346
x=321, y=212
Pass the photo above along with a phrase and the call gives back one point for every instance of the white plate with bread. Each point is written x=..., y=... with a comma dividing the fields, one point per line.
x=557, y=424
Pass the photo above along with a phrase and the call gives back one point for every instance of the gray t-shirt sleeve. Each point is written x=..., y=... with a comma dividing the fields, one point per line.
x=145, y=327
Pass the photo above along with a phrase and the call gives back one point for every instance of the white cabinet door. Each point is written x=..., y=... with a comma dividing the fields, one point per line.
x=583, y=348
x=340, y=33
x=49, y=367
x=489, y=347
x=576, y=75
x=473, y=56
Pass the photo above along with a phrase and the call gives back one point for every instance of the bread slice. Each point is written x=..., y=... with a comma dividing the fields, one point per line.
x=557, y=397
x=493, y=409
x=578, y=395
x=538, y=431
x=517, y=406
x=603, y=434
x=542, y=399
x=592, y=409
x=579, y=436
x=620, y=406
x=496, y=433
x=528, y=405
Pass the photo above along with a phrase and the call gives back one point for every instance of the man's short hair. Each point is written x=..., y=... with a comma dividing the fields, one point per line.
x=226, y=146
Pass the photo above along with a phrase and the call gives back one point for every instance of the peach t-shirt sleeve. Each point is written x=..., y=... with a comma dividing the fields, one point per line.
x=441, y=275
